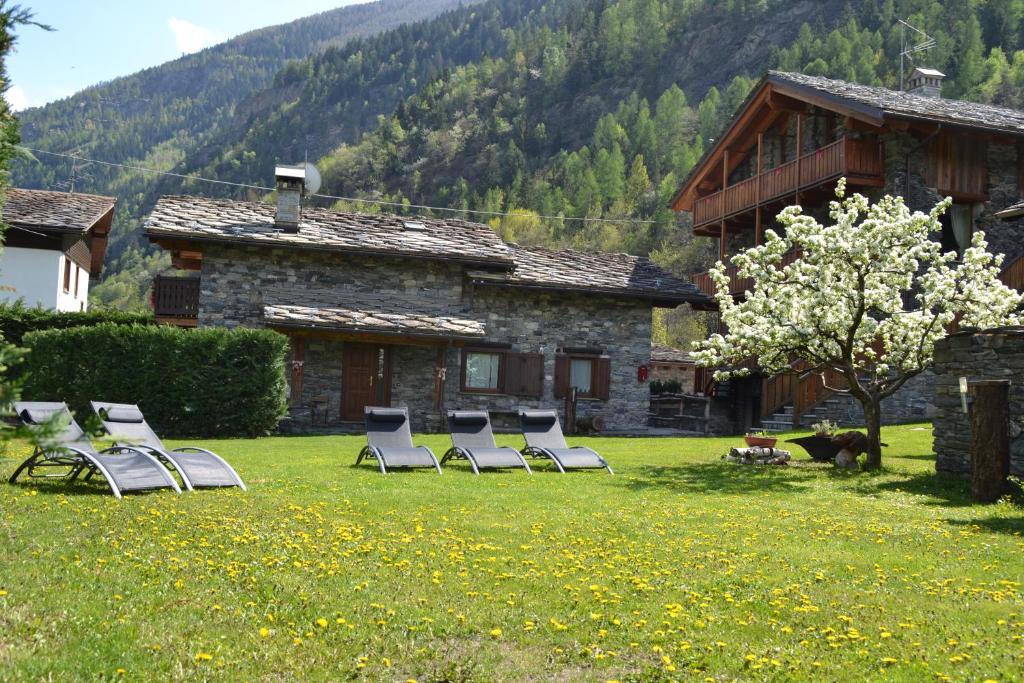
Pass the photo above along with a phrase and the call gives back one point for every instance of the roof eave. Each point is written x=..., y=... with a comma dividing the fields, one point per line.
x=156, y=234
x=659, y=300
x=348, y=329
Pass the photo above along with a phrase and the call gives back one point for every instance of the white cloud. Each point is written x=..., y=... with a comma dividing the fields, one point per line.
x=191, y=38
x=16, y=97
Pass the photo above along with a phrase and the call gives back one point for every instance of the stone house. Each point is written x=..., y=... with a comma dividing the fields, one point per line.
x=425, y=313
x=789, y=143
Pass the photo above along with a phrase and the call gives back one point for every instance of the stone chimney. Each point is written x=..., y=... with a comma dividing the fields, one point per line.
x=925, y=82
x=290, y=182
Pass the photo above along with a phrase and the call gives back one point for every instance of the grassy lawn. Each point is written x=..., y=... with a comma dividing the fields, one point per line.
x=679, y=566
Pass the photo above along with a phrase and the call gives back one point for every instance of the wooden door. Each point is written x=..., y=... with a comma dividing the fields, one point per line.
x=366, y=379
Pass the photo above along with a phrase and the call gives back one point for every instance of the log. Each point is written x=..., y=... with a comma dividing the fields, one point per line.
x=990, y=439
x=589, y=424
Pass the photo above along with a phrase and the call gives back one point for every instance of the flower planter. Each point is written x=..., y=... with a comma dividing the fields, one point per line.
x=820, y=448
x=760, y=441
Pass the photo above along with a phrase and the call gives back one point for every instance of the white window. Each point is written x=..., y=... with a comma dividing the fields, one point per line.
x=581, y=372
x=483, y=371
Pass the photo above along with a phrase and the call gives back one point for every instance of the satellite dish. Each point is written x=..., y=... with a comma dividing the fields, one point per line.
x=312, y=179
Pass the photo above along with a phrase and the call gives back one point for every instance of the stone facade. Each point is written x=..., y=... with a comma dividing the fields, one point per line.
x=990, y=354
x=238, y=281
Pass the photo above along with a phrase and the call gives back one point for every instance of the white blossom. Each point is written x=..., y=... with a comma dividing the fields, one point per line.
x=869, y=296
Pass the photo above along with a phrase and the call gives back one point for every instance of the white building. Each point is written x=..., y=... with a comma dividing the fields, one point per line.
x=55, y=242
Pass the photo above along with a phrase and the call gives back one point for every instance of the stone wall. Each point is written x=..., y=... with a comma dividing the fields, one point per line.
x=912, y=403
x=236, y=282
x=679, y=372
x=990, y=354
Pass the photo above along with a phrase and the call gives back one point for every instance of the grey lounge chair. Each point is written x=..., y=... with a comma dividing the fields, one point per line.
x=389, y=441
x=69, y=453
x=197, y=467
x=473, y=439
x=544, y=439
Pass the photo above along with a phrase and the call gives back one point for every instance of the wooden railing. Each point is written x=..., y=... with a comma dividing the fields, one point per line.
x=844, y=157
x=175, y=297
x=737, y=285
x=802, y=386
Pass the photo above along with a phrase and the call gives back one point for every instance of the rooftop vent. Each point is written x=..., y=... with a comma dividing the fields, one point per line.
x=290, y=182
x=415, y=226
x=926, y=82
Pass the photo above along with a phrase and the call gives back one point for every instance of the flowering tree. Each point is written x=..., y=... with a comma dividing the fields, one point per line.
x=868, y=298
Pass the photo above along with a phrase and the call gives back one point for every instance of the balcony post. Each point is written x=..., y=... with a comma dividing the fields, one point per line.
x=757, y=195
x=799, y=153
x=725, y=183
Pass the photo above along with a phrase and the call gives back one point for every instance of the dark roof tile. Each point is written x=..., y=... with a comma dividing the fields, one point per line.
x=908, y=105
x=54, y=211
x=222, y=220
x=594, y=272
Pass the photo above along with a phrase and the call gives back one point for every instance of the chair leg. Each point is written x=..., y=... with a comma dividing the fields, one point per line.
x=28, y=464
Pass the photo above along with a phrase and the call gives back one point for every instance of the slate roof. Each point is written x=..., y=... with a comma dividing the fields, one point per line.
x=883, y=101
x=376, y=319
x=252, y=223
x=62, y=212
x=1011, y=211
x=617, y=274
x=666, y=354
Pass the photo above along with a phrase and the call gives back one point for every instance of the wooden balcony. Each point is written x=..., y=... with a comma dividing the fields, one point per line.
x=859, y=161
x=176, y=300
x=737, y=285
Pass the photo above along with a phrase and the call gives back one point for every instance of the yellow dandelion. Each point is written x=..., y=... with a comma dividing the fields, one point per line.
x=495, y=632
x=321, y=622
x=264, y=632
x=203, y=656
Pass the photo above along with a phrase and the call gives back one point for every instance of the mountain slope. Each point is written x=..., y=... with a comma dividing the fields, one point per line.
x=157, y=117
x=577, y=109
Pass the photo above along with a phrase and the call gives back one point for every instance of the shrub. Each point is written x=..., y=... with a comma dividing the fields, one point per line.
x=205, y=382
x=17, y=320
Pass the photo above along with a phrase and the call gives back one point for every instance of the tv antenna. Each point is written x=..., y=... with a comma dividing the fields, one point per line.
x=907, y=52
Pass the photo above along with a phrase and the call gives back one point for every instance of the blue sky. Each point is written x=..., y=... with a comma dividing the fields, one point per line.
x=98, y=40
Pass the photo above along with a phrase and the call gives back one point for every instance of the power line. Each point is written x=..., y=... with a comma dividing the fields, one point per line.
x=376, y=202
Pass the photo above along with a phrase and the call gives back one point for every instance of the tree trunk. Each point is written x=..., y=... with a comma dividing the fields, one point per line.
x=990, y=440
x=873, y=418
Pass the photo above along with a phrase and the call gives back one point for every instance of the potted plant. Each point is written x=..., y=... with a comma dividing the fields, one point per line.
x=820, y=446
x=760, y=439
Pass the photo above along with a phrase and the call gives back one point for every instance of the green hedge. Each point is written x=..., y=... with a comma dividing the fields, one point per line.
x=205, y=382
x=17, y=320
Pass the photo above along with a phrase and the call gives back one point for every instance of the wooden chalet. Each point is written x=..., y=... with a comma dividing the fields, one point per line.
x=796, y=135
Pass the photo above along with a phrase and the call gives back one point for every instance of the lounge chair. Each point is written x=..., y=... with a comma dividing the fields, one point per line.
x=197, y=467
x=389, y=441
x=544, y=439
x=69, y=453
x=473, y=440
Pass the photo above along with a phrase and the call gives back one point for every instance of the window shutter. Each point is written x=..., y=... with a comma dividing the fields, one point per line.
x=512, y=371
x=524, y=375
x=602, y=379
x=561, y=375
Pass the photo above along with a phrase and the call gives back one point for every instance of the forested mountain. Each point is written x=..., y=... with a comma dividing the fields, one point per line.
x=576, y=108
x=158, y=117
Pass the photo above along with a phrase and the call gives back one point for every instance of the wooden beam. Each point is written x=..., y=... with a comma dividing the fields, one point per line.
x=722, y=237
x=799, y=153
x=757, y=208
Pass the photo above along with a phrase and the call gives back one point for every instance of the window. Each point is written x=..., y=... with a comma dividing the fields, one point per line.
x=499, y=371
x=581, y=371
x=67, y=274
x=78, y=272
x=482, y=371
x=958, y=227
x=589, y=371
